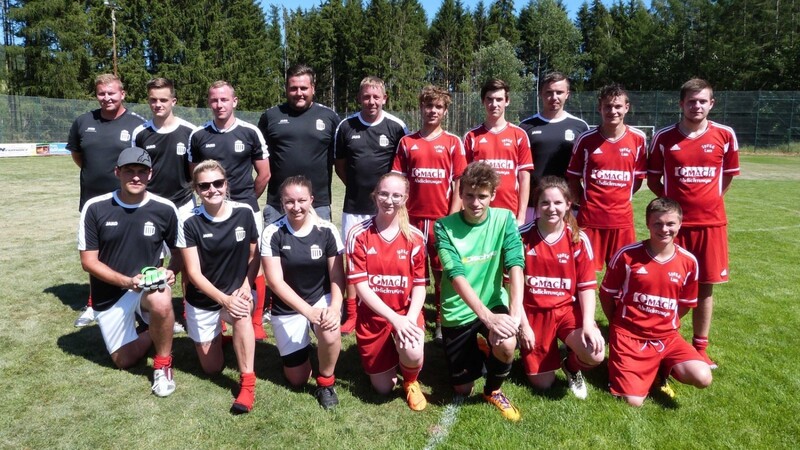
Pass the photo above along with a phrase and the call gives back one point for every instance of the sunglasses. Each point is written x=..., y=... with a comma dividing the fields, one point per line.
x=218, y=184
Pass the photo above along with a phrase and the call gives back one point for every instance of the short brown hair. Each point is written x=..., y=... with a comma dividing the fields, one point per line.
x=494, y=84
x=479, y=175
x=612, y=90
x=660, y=205
x=552, y=77
x=431, y=93
x=161, y=83
x=695, y=85
x=298, y=70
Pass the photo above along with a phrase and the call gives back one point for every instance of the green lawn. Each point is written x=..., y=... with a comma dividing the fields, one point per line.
x=61, y=390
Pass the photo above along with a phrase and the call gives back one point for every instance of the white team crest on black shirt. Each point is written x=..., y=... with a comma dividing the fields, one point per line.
x=180, y=149
x=569, y=135
x=149, y=229
x=320, y=125
x=238, y=146
x=124, y=135
x=383, y=141
x=239, y=234
x=316, y=252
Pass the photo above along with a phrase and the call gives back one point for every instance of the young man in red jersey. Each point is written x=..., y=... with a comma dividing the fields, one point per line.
x=648, y=287
x=694, y=162
x=432, y=159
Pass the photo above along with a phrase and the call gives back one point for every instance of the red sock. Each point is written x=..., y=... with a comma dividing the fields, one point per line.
x=160, y=362
x=326, y=381
x=261, y=293
x=247, y=392
x=89, y=301
x=409, y=374
x=700, y=342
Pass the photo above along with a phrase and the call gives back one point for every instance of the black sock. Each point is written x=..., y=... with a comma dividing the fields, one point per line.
x=496, y=372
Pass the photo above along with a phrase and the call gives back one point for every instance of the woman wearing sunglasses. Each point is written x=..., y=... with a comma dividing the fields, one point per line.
x=219, y=247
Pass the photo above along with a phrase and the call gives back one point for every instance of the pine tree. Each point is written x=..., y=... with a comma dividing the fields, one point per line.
x=449, y=45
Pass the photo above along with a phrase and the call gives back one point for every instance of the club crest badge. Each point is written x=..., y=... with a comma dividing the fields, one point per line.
x=239, y=232
x=149, y=229
x=238, y=146
x=320, y=125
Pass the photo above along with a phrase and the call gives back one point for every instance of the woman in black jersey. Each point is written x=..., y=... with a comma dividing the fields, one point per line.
x=219, y=247
x=302, y=258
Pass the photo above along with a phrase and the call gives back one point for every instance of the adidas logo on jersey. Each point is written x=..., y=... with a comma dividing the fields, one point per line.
x=642, y=271
x=483, y=141
x=532, y=252
x=674, y=148
x=597, y=151
x=372, y=251
x=724, y=273
x=414, y=147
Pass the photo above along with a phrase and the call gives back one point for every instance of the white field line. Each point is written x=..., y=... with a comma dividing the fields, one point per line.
x=442, y=429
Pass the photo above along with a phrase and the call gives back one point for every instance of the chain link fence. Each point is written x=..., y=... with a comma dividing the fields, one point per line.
x=763, y=120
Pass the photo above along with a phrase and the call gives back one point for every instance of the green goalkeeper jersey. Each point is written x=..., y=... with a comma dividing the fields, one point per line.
x=479, y=253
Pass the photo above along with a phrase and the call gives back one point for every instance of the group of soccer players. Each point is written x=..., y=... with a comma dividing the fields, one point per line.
x=492, y=215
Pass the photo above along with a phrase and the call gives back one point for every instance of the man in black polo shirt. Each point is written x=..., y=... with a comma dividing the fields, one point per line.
x=240, y=147
x=95, y=140
x=299, y=135
x=120, y=234
x=551, y=133
x=366, y=143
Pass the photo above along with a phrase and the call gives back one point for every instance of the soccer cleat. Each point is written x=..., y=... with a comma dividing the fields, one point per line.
x=501, y=402
x=326, y=397
x=666, y=389
x=414, y=396
x=86, y=318
x=711, y=364
x=575, y=381
x=163, y=384
x=177, y=328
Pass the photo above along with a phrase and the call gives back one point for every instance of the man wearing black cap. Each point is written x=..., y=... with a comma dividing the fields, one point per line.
x=120, y=236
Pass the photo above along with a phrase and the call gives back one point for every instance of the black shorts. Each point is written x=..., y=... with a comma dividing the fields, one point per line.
x=464, y=358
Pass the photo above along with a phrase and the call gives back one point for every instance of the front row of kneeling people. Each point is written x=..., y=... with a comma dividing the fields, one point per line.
x=503, y=287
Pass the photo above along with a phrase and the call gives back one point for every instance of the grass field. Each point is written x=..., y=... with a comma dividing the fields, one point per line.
x=60, y=390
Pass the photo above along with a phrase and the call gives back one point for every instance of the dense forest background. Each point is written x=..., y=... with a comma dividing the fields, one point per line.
x=54, y=48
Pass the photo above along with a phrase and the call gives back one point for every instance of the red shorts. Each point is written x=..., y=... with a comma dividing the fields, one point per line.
x=375, y=342
x=547, y=325
x=606, y=241
x=633, y=363
x=710, y=246
x=426, y=226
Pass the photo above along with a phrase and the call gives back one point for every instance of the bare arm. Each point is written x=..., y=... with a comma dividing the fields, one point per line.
x=655, y=184
x=92, y=264
x=575, y=189
x=524, y=181
x=455, y=198
x=637, y=184
x=591, y=336
x=340, y=166
x=726, y=183
x=236, y=305
x=262, y=176
x=77, y=157
x=608, y=304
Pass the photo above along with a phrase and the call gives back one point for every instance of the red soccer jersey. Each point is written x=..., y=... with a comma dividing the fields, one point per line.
x=431, y=165
x=648, y=292
x=508, y=151
x=392, y=268
x=608, y=169
x=555, y=271
x=692, y=170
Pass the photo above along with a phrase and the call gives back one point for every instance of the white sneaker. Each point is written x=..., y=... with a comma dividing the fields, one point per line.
x=178, y=328
x=86, y=318
x=163, y=384
x=575, y=381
